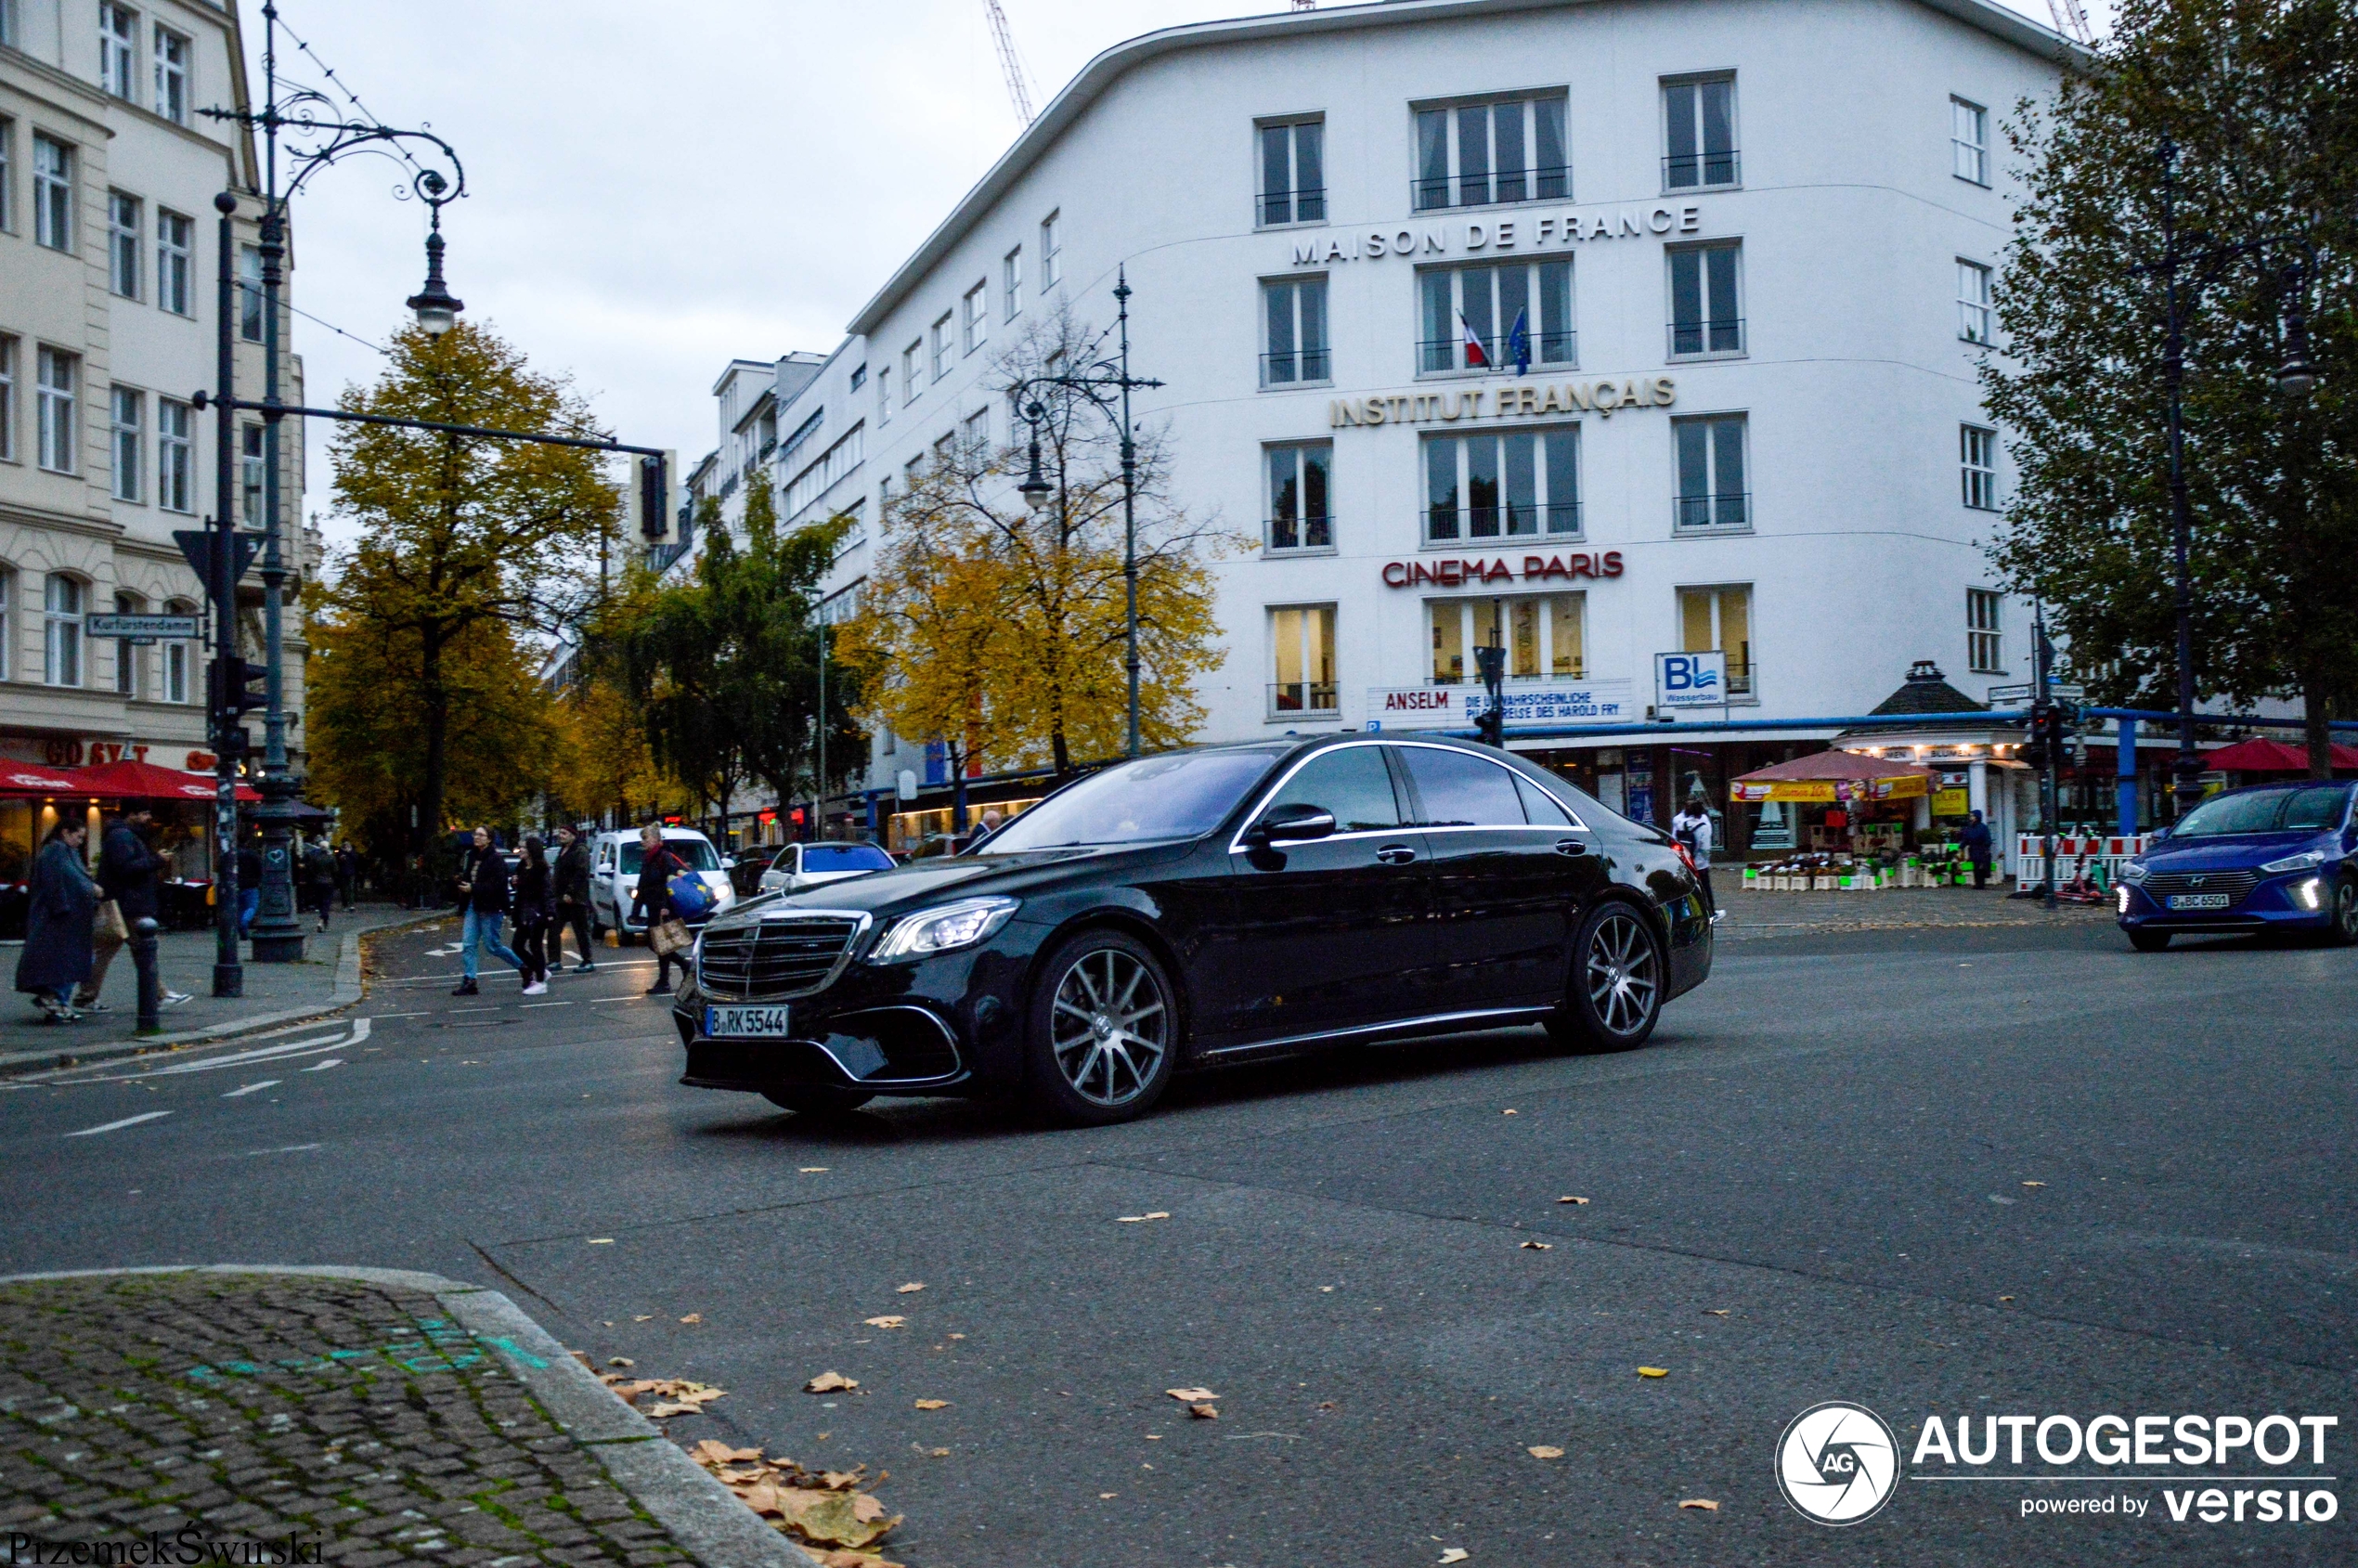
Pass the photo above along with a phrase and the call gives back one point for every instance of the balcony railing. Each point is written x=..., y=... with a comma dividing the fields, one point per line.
x=1296, y=366
x=1302, y=533
x=1294, y=206
x=1698, y=512
x=1440, y=356
x=1693, y=339
x=1551, y=183
x=1698, y=171
x=1554, y=520
x=1303, y=696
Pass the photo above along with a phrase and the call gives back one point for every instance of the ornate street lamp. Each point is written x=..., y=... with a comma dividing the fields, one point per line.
x=436, y=307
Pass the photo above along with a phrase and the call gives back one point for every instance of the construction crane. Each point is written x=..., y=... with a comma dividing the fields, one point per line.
x=2071, y=19
x=1004, y=41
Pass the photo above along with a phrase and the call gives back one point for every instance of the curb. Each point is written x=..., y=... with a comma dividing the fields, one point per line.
x=702, y=1516
x=348, y=991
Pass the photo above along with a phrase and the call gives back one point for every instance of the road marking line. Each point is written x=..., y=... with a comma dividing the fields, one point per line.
x=322, y=1067
x=250, y=1088
x=547, y=1003
x=427, y=1015
x=448, y=1010
x=286, y=1149
x=595, y=1000
x=126, y=1122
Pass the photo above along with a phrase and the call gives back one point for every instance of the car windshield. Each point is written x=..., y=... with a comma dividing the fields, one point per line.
x=695, y=854
x=823, y=858
x=1175, y=797
x=2265, y=811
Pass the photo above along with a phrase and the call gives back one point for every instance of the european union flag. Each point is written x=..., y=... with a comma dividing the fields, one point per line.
x=1518, y=343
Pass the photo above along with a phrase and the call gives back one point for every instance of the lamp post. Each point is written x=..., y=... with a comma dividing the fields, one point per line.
x=1106, y=379
x=2296, y=376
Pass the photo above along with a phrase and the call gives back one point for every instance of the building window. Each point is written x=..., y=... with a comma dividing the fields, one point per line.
x=175, y=456
x=1052, y=253
x=176, y=658
x=8, y=167
x=1969, y=134
x=1699, y=134
x=126, y=652
x=1719, y=620
x=1011, y=284
x=249, y=476
x=859, y=377
x=1974, y=314
x=57, y=371
x=1302, y=644
x=172, y=75
x=1299, y=480
x=1505, y=149
x=977, y=324
x=1985, y=637
x=1544, y=635
x=118, y=49
x=884, y=395
x=1482, y=318
x=1706, y=311
x=976, y=433
x=1522, y=484
x=1711, y=473
x=1294, y=312
x=122, y=244
x=7, y=618
x=128, y=444
x=912, y=371
x=7, y=399
x=176, y=251
x=941, y=356
x=61, y=630
x=52, y=193
x=1977, y=455
x=249, y=293
x=1293, y=173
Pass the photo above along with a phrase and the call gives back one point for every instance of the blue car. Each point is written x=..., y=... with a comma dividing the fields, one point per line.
x=2274, y=857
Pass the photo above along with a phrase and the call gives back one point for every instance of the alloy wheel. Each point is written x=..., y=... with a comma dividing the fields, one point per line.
x=1110, y=1027
x=1623, y=974
x=2346, y=909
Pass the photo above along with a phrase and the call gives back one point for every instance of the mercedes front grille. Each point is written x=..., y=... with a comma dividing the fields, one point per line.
x=776, y=958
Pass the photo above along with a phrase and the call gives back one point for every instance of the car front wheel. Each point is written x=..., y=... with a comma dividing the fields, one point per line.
x=2343, y=932
x=1617, y=974
x=1103, y=1030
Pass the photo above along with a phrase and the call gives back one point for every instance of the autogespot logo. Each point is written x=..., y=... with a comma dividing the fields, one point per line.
x=1837, y=1463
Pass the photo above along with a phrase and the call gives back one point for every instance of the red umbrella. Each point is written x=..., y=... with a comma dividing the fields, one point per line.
x=2260, y=755
x=25, y=778
x=145, y=780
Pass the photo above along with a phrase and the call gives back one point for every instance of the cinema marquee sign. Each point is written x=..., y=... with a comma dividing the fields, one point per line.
x=1521, y=399
x=1475, y=572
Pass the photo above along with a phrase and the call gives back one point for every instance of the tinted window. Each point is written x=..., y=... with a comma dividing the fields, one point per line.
x=1461, y=790
x=1540, y=806
x=1354, y=783
x=2255, y=811
x=693, y=853
x=2316, y=809
x=845, y=857
x=1174, y=796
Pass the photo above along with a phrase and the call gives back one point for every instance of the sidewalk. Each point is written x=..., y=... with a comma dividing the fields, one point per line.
x=327, y=978
x=1753, y=916
x=364, y=1416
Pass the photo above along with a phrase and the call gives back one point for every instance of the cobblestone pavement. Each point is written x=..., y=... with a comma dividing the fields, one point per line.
x=353, y=1417
x=1755, y=916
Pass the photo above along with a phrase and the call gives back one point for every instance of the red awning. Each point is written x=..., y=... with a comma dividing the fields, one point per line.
x=145, y=780
x=26, y=778
x=2260, y=755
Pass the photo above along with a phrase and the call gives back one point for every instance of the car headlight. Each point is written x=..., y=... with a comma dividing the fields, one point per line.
x=2134, y=872
x=2124, y=899
x=942, y=929
x=2302, y=861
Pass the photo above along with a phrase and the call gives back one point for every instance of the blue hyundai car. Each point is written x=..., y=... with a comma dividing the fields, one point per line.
x=2279, y=857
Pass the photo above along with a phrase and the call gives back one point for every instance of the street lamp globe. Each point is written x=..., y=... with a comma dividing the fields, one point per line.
x=2297, y=375
x=437, y=308
x=1036, y=492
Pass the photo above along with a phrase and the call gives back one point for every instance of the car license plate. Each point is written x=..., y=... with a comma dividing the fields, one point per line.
x=745, y=1023
x=2199, y=900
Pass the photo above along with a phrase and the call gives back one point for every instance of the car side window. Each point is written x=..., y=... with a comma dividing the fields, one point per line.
x=2316, y=809
x=1544, y=809
x=1352, y=783
x=1461, y=790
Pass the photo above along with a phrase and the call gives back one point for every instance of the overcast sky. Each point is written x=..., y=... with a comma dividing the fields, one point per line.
x=653, y=190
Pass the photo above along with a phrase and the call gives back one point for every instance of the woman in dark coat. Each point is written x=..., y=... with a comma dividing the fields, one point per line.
x=535, y=916
x=57, y=925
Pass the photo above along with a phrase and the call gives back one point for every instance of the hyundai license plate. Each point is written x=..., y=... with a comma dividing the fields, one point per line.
x=2199, y=900
x=745, y=1023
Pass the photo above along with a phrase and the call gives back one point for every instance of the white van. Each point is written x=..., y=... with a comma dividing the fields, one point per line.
x=614, y=874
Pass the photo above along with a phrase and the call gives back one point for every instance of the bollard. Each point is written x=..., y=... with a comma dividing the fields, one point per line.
x=143, y=958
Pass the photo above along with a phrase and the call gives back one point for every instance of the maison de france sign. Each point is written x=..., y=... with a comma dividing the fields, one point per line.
x=1539, y=231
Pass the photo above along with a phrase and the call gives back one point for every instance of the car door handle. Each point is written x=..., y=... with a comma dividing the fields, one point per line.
x=1570, y=847
x=1395, y=854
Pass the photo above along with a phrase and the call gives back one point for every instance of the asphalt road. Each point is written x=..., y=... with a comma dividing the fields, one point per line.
x=1960, y=1173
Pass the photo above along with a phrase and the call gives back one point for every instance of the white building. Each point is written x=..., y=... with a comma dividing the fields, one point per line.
x=108, y=252
x=1753, y=303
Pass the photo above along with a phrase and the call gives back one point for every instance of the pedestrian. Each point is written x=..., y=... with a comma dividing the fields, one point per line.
x=1974, y=837
x=1692, y=827
x=130, y=880
x=347, y=873
x=572, y=880
x=320, y=875
x=536, y=913
x=249, y=887
x=63, y=901
x=667, y=933
x=482, y=893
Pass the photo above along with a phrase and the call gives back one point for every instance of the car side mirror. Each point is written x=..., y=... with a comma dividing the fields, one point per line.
x=1294, y=823
x=2157, y=834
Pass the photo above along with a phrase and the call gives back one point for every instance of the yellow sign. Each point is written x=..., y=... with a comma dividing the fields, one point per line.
x=1950, y=802
x=1817, y=791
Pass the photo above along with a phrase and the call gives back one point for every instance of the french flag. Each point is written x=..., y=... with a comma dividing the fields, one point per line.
x=1477, y=357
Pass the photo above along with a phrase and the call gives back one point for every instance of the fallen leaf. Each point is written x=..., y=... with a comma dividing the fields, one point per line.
x=1704, y=1503
x=1141, y=1219
x=1568, y=1199
x=1538, y=1246
x=1510, y=1113
x=1103, y=1497
x=939, y=1453
x=1653, y=1371
x=829, y=1382
x=885, y=1322
x=644, y=1317
x=933, y=1404
x=713, y=1452
x=1714, y=1312
x=1455, y=1554
x=911, y=1288
x=620, y=1361
x=2034, y=1183
x=1544, y=1451
x=811, y=1170
x=2005, y=1298
x=1326, y=1405
x=1203, y=1412
x=1189, y=1396
x=957, y=1336
x=601, y=1241
x=694, y=1318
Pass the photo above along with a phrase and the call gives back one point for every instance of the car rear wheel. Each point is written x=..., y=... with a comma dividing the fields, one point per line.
x=2149, y=941
x=1617, y=975
x=1104, y=1030
x=2343, y=932
x=818, y=1099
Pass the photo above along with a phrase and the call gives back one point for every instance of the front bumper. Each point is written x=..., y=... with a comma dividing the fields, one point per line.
x=2278, y=904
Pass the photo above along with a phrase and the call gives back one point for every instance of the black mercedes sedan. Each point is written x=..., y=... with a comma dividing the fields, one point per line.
x=1224, y=904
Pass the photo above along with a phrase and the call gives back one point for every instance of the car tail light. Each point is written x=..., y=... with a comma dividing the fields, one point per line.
x=1688, y=856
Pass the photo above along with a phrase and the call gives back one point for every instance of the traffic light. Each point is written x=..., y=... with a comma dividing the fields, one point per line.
x=2036, y=748
x=1491, y=664
x=653, y=501
x=238, y=687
